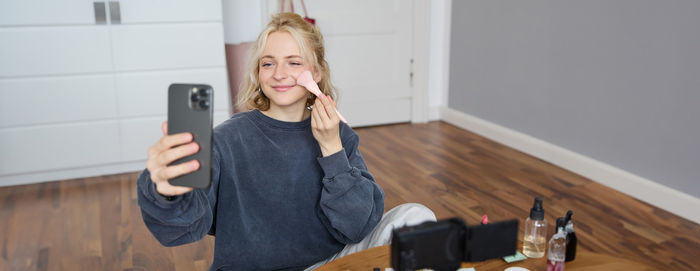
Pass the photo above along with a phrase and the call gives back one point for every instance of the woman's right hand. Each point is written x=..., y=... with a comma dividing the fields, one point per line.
x=164, y=152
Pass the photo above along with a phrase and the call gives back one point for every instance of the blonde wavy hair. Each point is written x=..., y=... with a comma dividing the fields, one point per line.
x=310, y=42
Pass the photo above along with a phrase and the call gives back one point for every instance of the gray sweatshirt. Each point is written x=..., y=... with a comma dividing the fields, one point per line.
x=274, y=202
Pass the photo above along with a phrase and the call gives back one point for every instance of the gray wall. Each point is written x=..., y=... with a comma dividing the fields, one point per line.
x=617, y=81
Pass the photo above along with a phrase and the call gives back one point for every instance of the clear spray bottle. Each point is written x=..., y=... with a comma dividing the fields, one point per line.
x=535, y=235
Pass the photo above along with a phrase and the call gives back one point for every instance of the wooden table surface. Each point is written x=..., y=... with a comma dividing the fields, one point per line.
x=381, y=257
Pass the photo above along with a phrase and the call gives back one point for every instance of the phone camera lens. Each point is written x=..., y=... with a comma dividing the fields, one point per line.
x=204, y=104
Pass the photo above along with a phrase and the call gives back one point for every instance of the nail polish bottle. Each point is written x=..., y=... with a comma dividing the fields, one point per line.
x=535, y=235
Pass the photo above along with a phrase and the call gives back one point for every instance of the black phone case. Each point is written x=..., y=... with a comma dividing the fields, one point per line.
x=190, y=109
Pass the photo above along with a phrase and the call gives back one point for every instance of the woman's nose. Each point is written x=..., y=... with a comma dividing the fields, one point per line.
x=280, y=73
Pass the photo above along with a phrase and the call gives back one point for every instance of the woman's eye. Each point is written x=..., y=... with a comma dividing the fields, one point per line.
x=296, y=63
x=266, y=64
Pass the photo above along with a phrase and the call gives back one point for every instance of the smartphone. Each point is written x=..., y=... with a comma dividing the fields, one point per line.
x=190, y=109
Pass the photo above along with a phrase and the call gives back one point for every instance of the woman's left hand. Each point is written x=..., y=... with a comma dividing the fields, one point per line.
x=325, y=125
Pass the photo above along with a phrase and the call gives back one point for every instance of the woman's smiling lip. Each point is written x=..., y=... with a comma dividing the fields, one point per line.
x=281, y=88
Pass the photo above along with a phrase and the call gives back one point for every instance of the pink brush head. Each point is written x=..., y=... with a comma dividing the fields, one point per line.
x=306, y=80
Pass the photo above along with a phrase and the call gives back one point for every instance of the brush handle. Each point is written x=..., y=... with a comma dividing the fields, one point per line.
x=340, y=116
x=336, y=110
x=305, y=80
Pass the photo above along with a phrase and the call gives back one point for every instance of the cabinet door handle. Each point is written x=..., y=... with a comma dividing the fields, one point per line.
x=100, y=14
x=114, y=13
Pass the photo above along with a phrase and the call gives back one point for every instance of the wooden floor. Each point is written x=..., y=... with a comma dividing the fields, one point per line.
x=95, y=223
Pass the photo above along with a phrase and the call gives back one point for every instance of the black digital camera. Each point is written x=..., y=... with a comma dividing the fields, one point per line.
x=445, y=244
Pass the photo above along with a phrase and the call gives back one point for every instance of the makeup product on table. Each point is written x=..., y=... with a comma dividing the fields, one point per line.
x=535, y=235
x=570, y=237
x=557, y=248
x=515, y=258
x=307, y=81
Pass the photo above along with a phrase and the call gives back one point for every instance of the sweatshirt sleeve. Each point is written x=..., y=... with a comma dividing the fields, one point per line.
x=351, y=202
x=181, y=219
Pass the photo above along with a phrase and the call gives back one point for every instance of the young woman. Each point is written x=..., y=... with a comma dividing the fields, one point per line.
x=290, y=189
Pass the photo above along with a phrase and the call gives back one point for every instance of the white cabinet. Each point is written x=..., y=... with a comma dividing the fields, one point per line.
x=141, y=93
x=168, y=11
x=46, y=12
x=41, y=51
x=56, y=99
x=83, y=98
x=154, y=47
x=58, y=146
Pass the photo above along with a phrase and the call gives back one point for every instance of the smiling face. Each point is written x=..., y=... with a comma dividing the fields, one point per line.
x=280, y=64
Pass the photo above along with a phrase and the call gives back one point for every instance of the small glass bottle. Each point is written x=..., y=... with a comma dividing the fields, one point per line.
x=557, y=248
x=571, y=240
x=534, y=237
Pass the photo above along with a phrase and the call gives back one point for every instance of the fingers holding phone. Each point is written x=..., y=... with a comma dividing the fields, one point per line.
x=168, y=149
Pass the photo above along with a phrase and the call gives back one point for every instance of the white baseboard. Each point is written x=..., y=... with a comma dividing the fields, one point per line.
x=666, y=198
x=65, y=174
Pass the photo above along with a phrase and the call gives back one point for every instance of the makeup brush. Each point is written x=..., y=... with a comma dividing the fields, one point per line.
x=307, y=81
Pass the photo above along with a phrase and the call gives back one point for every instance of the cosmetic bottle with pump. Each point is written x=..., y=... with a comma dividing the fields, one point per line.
x=570, y=237
x=556, y=255
x=535, y=235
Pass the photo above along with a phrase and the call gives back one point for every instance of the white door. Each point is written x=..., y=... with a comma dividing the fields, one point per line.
x=369, y=49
